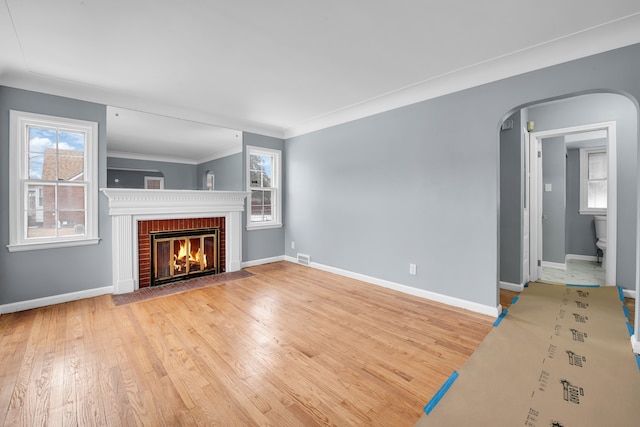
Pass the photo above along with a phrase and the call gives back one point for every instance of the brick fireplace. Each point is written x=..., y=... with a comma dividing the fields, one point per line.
x=135, y=214
x=147, y=229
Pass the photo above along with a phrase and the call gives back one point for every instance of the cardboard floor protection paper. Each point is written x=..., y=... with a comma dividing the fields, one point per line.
x=561, y=356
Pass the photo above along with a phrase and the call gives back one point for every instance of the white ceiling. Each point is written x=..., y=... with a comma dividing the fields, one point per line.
x=287, y=67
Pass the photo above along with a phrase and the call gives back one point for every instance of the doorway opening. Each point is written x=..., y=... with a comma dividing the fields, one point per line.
x=613, y=115
x=553, y=217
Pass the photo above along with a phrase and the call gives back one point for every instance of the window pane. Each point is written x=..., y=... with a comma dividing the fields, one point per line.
x=211, y=179
x=267, y=214
x=70, y=197
x=35, y=197
x=256, y=179
x=35, y=218
x=597, y=194
x=260, y=170
x=256, y=205
x=72, y=142
x=70, y=168
x=45, y=228
x=256, y=213
x=261, y=208
x=36, y=163
x=39, y=198
x=267, y=205
x=257, y=197
x=41, y=139
x=50, y=165
x=597, y=165
x=71, y=223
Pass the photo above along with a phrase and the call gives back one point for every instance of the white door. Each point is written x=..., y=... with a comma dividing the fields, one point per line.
x=525, y=210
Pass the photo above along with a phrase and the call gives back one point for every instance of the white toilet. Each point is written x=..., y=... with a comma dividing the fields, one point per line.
x=601, y=235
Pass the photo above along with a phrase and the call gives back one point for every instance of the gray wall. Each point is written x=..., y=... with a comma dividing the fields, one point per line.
x=553, y=202
x=227, y=171
x=127, y=178
x=177, y=176
x=581, y=233
x=269, y=243
x=597, y=108
x=41, y=273
x=511, y=161
x=420, y=184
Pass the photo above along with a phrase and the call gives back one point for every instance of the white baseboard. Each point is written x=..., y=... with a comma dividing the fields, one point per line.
x=635, y=344
x=262, y=261
x=629, y=293
x=54, y=299
x=512, y=286
x=581, y=257
x=557, y=265
x=456, y=302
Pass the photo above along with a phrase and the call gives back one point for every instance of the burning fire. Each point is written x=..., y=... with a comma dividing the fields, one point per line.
x=195, y=257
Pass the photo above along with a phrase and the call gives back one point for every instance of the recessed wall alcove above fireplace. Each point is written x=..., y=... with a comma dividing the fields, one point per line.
x=132, y=210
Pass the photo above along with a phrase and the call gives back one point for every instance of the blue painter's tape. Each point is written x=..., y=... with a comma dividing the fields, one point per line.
x=621, y=293
x=514, y=300
x=630, y=329
x=499, y=319
x=638, y=360
x=582, y=286
x=526, y=285
x=626, y=312
x=436, y=398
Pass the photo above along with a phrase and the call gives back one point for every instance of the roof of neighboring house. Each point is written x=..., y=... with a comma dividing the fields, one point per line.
x=70, y=165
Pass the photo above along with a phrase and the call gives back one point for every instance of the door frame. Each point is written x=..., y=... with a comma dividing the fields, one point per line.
x=526, y=209
x=535, y=195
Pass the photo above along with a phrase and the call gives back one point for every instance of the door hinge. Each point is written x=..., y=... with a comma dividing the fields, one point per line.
x=539, y=263
x=539, y=153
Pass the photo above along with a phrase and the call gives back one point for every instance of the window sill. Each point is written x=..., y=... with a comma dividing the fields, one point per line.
x=596, y=212
x=21, y=247
x=263, y=227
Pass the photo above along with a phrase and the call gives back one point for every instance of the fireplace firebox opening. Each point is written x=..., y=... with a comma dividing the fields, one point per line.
x=183, y=254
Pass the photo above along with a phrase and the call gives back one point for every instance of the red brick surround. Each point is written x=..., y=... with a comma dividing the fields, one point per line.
x=144, y=241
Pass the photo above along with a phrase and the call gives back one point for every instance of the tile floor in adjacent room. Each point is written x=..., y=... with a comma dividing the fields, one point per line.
x=577, y=272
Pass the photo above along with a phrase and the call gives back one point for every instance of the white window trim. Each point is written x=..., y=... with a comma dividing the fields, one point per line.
x=149, y=179
x=18, y=167
x=277, y=187
x=584, y=177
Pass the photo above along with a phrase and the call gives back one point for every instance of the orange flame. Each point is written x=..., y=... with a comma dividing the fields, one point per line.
x=196, y=257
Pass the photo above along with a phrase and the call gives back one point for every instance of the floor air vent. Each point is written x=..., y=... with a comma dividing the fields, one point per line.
x=304, y=259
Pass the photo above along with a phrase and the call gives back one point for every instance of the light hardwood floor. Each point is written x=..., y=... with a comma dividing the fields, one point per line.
x=289, y=346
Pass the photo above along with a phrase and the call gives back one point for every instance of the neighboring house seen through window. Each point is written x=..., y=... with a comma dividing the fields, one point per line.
x=53, y=188
x=263, y=181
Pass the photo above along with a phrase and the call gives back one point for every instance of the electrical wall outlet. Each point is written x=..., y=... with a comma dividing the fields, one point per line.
x=413, y=270
x=293, y=244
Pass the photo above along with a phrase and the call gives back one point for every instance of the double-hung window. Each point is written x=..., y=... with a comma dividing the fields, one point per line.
x=263, y=182
x=593, y=181
x=53, y=182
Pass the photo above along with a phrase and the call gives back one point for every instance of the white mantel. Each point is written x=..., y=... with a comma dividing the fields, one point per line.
x=128, y=206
